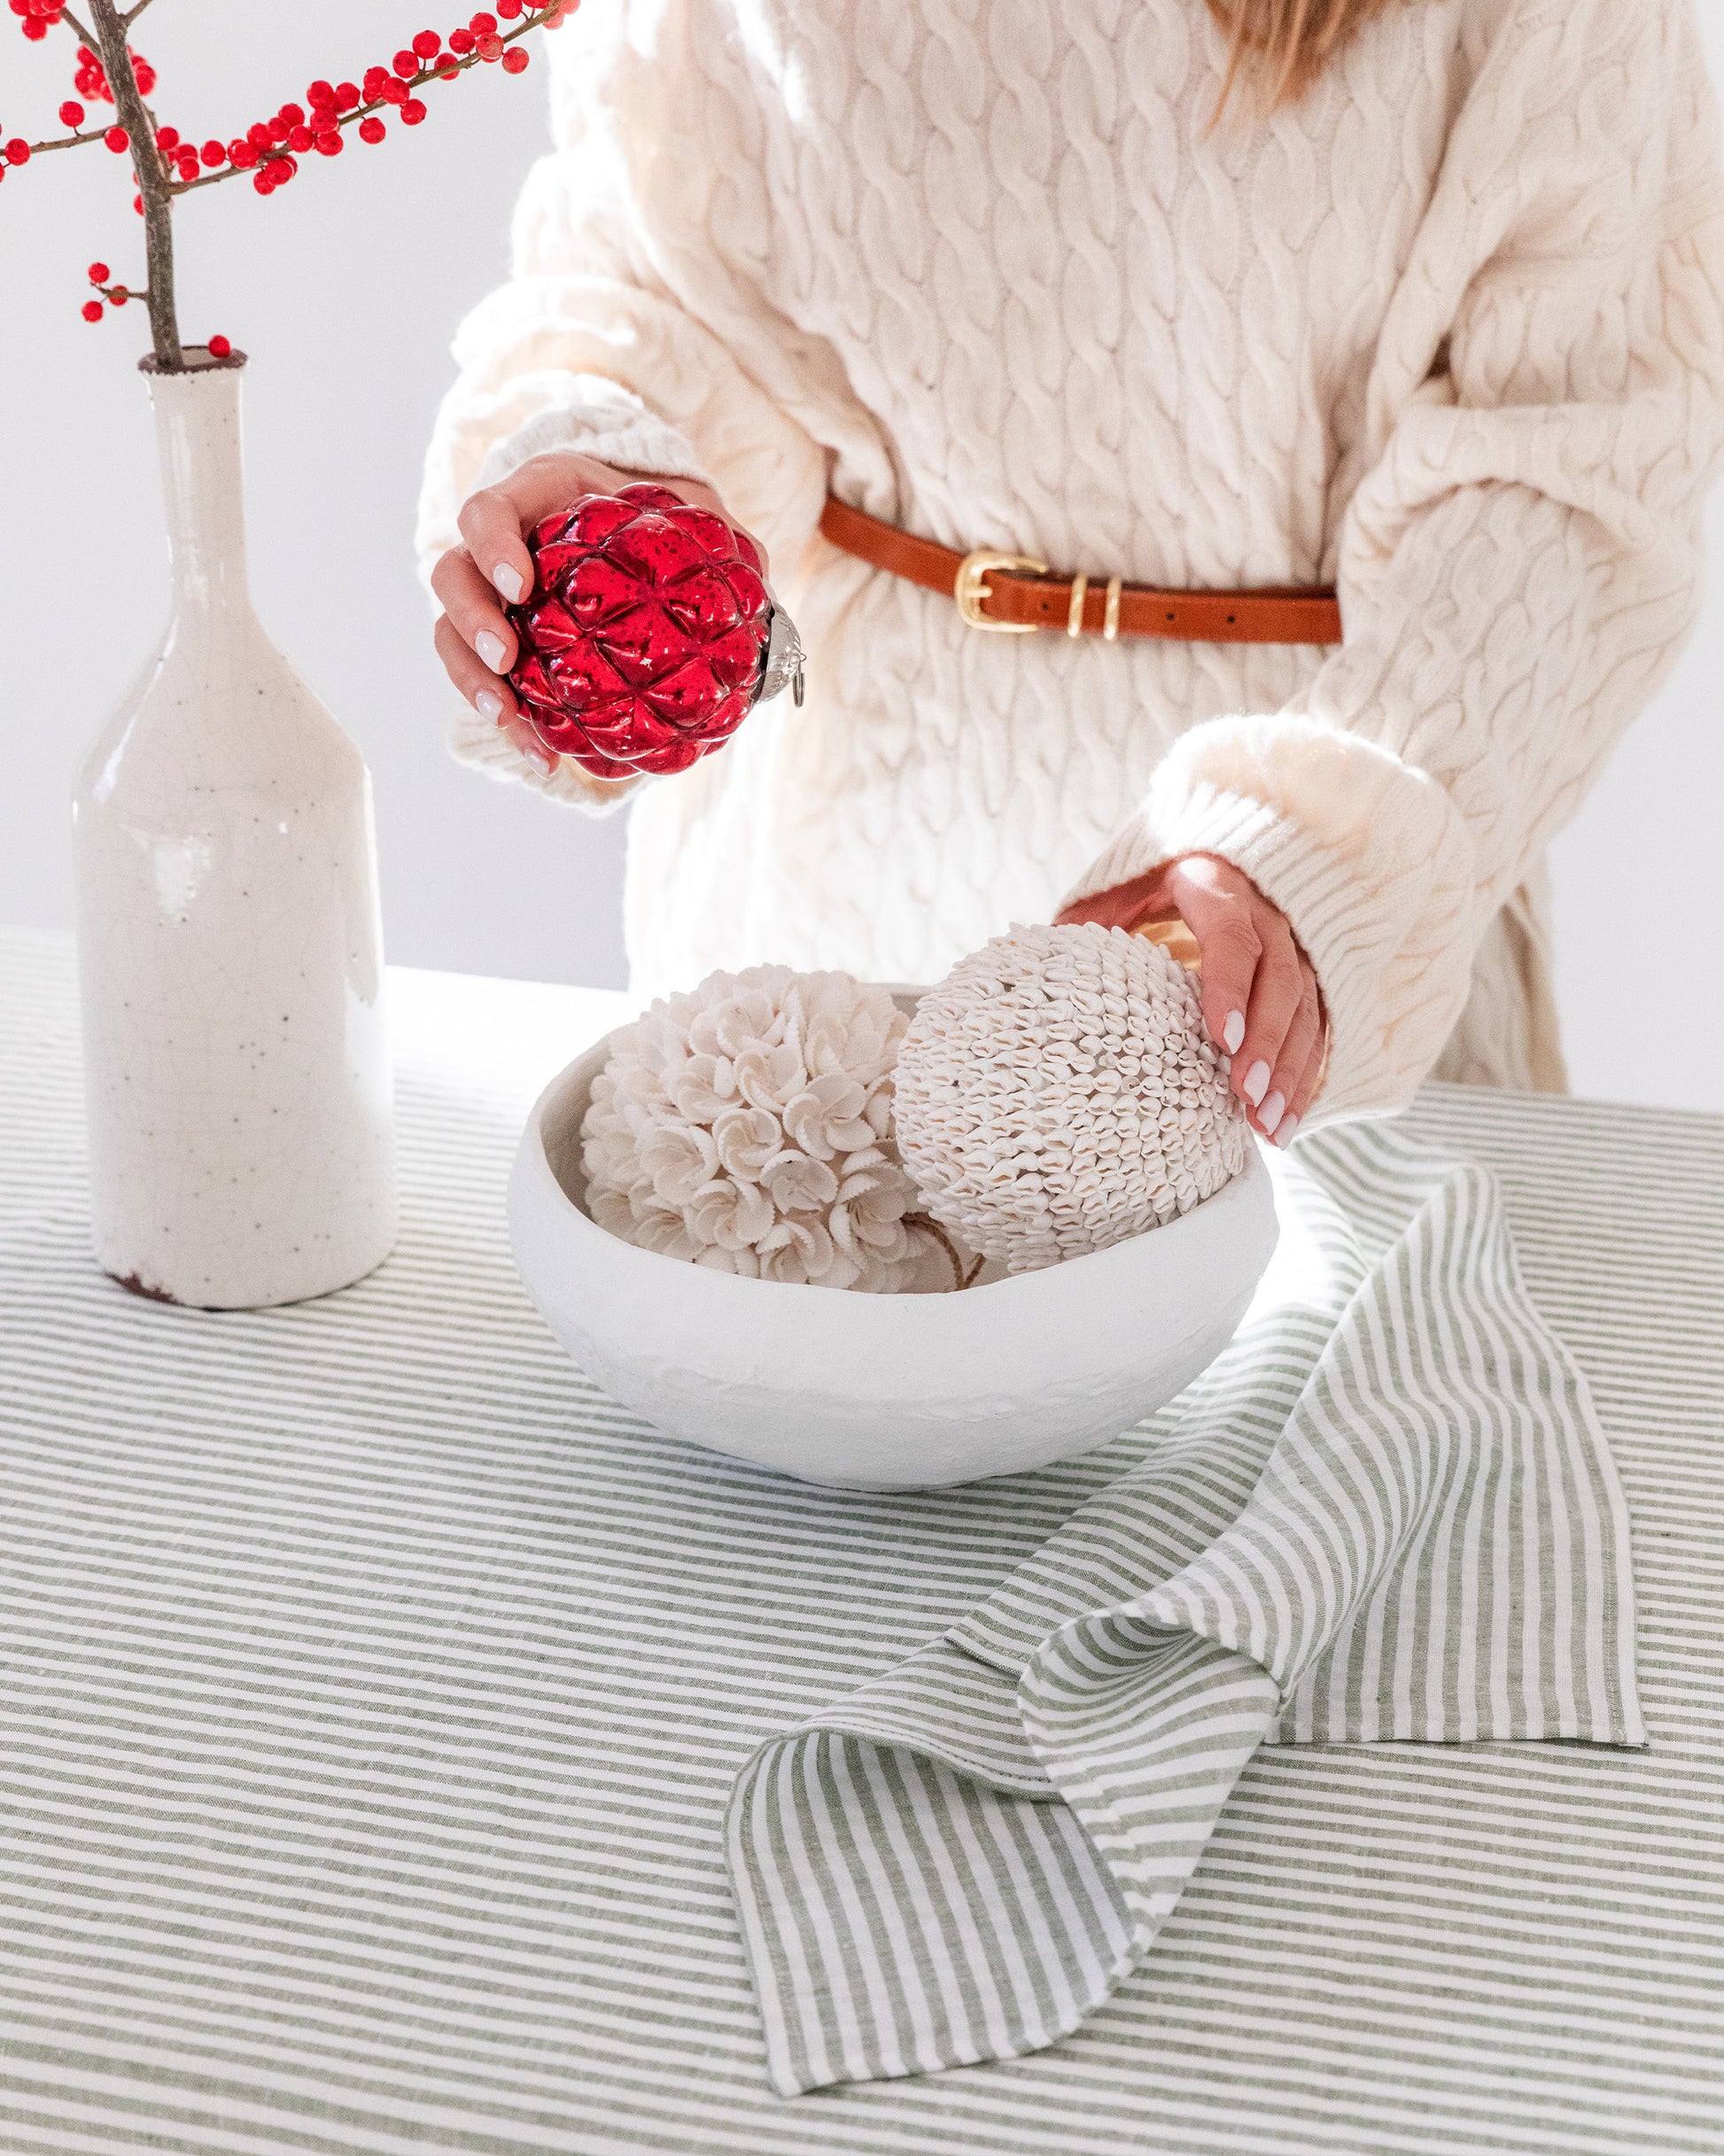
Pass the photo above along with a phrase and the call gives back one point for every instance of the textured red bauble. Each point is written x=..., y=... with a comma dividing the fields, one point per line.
x=644, y=645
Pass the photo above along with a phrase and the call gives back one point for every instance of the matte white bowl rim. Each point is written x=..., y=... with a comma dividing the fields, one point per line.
x=881, y=1392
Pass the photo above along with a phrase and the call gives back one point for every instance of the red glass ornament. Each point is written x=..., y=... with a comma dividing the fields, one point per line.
x=644, y=645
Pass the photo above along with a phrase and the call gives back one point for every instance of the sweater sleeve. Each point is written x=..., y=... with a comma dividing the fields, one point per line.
x=594, y=342
x=1521, y=562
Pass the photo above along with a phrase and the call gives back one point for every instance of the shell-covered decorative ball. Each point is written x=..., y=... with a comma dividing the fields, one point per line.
x=747, y=1125
x=643, y=642
x=1058, y=1093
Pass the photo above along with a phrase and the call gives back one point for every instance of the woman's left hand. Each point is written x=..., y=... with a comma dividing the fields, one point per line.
x=1259, y=992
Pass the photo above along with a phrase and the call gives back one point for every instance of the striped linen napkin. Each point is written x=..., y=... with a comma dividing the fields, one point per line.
x=1387, y=1512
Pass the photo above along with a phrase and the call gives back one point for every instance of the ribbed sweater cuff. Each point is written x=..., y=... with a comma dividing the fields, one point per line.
x=601, y=419
x=1381, y=996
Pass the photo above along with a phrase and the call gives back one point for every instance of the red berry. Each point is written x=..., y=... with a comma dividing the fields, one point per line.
x=406, y=63
x=262, y=181
x=71, y=115
x=35, y=29
x=258, y=135
x=167, y=140
x=412, y=112
x=137, y=206
x=98, y=273
x=299, y=138
x=516, y=58
x=213, y=153
x=490, y=46
x=92, y=310
x=372, y=129
x=329, y=143
x=117, y=139
x=428, y=44
x=395, y=91
x=320, y=93
x=118, y=296
x=242, y=154
x=276, y=131
x=375, y=79
x=509, y=9
x=145, y=74
x=187, y=166
x=460, y=42
x=218, y=347
x=18, y=150
x=346, y=95
x=292, y=115
x=482, y=25
x=448, y=69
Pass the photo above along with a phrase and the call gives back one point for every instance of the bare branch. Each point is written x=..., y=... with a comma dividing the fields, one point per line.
x=85, y=37
x=132, y=14
x=151, y=184
x=66, y=142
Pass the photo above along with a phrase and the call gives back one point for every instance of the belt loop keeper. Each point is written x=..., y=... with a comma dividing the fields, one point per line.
x=1075, y=612
x=1110, y=619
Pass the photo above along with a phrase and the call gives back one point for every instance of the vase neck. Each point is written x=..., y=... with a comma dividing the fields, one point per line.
x=202, y=483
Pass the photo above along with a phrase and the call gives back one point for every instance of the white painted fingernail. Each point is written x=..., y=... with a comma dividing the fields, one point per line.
x=1285, y=1129
x=1270, y=1113
x=488, y=705
x=1233, y=1032
x=541, y=759
x=1256, y=1082
x=508, y=582
x=490, y=649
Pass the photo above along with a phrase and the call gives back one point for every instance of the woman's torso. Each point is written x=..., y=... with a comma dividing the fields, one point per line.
x=993, y=260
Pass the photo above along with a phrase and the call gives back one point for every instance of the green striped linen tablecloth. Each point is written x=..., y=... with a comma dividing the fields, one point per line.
x=373, y=1691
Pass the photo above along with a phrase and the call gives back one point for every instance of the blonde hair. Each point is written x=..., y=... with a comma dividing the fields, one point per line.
x=1281, y=47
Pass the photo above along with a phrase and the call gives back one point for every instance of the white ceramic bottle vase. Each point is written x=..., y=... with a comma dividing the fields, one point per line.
x=230, y=943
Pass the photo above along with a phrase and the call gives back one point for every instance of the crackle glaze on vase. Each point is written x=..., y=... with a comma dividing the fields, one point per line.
x=229, y=943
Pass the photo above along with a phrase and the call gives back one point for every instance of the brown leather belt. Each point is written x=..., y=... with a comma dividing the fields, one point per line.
x=1011, y=592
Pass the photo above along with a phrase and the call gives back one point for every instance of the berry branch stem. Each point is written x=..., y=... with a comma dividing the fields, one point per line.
x=132, y=14
x=66, y=142
x=84, y=37
x=153, y=185
x=446, y=66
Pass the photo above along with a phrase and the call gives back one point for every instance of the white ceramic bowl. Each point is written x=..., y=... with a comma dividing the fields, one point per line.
x=871, y=1391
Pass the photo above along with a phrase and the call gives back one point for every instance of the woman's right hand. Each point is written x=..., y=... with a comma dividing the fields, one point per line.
x=474, y=639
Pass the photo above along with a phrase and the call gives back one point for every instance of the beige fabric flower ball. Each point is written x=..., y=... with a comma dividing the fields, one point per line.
x=1058, y=1093
x=747, y=1125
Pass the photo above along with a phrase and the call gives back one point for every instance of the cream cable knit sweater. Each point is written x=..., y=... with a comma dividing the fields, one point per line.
x=1449, y=332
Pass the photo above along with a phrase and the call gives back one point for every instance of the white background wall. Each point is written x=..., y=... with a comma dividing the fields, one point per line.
x=345, y=289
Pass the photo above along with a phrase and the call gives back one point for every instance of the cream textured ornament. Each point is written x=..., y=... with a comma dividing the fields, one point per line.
x=1058, y=1093
x=746, y=1126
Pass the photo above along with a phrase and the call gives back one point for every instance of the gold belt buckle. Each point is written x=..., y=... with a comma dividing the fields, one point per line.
x=969, y=590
